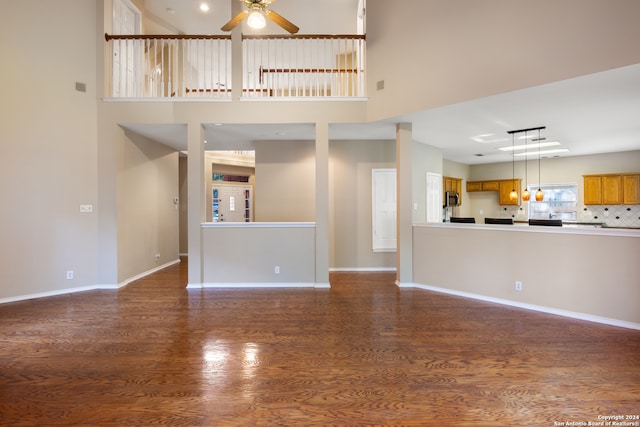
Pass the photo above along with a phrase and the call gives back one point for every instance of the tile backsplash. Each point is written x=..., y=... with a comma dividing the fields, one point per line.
x=611, y=215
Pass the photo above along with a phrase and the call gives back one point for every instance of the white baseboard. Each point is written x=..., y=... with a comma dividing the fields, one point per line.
x=48, y=294
x=363, y=270
x=253, y=285
x=533, y=307
x=146, y=273
x=86, y=288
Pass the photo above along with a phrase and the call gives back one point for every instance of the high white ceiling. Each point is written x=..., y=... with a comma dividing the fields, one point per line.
x=592, y=114
x=185, y=16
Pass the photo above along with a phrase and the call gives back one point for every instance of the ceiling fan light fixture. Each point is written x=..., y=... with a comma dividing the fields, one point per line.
x=256, y=20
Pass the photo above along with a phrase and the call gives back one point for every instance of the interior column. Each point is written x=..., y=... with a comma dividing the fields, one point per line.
x=404, y=201
x=195, y=203
x=322, y=205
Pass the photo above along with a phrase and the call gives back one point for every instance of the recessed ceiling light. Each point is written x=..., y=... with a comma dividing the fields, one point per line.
x=535, y=153
x=536, y=145
x=204, y=7
x=171, y=11
x=486, y=138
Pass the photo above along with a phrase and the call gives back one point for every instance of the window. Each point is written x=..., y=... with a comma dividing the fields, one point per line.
x=560, y=202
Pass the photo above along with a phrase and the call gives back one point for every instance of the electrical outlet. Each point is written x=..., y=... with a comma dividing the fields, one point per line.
x=157, y=256
x=518, y=285
x=69, y=274
x=276, y=269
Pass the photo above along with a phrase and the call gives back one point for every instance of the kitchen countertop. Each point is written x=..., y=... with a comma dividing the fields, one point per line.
x=522, y=226
x=585, y=224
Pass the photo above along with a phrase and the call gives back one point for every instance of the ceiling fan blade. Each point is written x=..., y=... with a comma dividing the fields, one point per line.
x=284, y=23
x=235, y=21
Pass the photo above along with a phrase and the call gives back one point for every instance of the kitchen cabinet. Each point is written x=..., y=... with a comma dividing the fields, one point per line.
x=490, y=185
x=452, y=184
x=506, y=186
x=502, y=186
x=631, y=189
x=609, y=189
x=474, y=186
x=483, y=186
x=592, y=189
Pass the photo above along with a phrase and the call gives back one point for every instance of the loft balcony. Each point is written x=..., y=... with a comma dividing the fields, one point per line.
x=202, y=67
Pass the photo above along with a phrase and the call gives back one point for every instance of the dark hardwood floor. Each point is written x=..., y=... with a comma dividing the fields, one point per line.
x=362, y=353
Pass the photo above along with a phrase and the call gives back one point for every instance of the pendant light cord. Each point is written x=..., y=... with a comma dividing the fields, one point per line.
x=526, y=161
x=539, y=193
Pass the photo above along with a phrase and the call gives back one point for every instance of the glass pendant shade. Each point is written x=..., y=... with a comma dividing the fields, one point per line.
x=256, y=20
x=539, y=195
x=513, y=196
x=526, y=196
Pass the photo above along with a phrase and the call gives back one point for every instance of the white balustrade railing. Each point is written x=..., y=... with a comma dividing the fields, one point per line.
x=273, y=66
x=170, y=66
x=304, y=66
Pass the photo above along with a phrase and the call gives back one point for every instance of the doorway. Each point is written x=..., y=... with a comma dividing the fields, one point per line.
x=126, y=56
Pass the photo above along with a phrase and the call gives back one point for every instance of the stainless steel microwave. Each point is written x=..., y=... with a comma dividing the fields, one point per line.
x=451, y=198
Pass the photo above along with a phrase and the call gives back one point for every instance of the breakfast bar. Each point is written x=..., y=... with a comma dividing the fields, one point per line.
x=579, y=271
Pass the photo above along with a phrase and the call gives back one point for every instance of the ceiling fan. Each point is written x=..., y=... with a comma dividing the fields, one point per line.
x=256, y=10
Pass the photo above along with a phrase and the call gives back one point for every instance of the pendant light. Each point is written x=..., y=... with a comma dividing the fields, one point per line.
x=539, y=193
x=513, y=196
x=525, y=194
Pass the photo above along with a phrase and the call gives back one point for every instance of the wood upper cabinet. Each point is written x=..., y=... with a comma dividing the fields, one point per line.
x=452, y=184
x=505, y=189
x=631, y=189
x=502, y=186
x=612, y=189
x=474, y=186
x=491, y=185
x=483, y=186
x=592, y=189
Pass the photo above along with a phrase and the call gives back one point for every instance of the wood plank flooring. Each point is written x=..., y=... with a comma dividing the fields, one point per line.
x=362, y=353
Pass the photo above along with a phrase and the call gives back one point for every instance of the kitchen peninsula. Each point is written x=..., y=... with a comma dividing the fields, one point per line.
x=582, y=272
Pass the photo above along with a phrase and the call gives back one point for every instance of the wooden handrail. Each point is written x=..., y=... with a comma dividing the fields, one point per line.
x=108, y=37
x=303, y=36
x=263, y=70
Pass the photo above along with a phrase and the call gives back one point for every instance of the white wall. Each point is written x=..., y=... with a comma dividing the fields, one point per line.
x=285, y=181
x=147, y=215
x=350, y=199
x=438, y=52
x=48, y=139
x=587, y=274
x=425, y=159
x=242, y=254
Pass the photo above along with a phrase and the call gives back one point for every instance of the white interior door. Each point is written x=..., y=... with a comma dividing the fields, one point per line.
x=126, y=54
x=434, y=197
x=384, y=210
